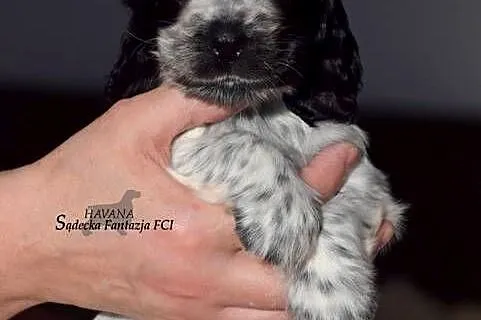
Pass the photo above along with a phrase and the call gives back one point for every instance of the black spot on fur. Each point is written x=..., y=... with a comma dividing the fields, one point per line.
x=325, y=286
x=342, y=251
x=248, y=234
x=263, y=196
x=288, y=199
x=243, y=163
x=282, y=179
x=302, y=314
x=346, y=314
x=305, y=277
x=274, y=256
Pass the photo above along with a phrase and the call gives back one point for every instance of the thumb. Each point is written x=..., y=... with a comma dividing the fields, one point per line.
x=165, y=112
x=327, y=172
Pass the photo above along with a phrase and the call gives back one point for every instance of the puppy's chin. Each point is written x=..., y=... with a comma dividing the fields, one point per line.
x=230, y=91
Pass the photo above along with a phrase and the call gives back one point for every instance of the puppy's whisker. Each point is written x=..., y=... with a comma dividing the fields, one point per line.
x=148, y=41
x=287, y=65
x=274, y=74
x=167, y=22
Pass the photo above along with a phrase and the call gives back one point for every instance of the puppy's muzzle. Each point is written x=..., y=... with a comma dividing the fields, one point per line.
x=227, y=41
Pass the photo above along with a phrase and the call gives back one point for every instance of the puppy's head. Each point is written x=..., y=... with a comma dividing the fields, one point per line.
x=227, y=52
x=244, y=52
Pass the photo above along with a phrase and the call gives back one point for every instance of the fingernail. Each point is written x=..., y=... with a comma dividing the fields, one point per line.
x=351, y=154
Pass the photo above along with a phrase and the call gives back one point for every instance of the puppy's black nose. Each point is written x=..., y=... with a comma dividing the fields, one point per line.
x=226, y=46
x=227, y=41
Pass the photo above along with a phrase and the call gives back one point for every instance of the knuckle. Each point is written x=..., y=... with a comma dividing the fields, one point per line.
x=122, y=103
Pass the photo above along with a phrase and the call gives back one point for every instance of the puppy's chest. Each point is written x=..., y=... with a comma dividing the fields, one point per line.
x=214, y=150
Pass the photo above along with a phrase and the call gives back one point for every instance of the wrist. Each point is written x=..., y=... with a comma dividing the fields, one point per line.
x=45, y=264
x=21, y=245
x=40, y=264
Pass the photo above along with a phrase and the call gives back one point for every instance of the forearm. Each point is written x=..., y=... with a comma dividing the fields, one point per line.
x=35, y=263
x=40, y=264
x=21, y=245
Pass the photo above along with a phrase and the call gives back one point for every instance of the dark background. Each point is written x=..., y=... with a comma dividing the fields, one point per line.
x=421, y=105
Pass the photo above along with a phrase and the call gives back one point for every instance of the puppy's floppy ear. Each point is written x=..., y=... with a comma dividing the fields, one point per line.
x=136, y=70
x=331, y=71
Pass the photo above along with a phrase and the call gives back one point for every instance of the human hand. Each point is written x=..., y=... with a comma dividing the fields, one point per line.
x=327, y=172
x=198, y=270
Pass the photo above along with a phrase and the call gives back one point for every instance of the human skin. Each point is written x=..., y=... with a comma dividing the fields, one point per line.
x=198, y=270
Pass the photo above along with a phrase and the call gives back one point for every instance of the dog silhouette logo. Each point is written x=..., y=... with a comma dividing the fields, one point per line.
x=112, y=215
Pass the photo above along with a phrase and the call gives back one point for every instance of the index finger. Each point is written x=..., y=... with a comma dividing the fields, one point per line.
x=253, y=284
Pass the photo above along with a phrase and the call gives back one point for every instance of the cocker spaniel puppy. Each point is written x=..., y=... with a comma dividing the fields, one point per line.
x=295, y=65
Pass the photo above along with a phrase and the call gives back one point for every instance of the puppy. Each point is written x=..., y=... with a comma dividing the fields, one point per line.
x=295, y=65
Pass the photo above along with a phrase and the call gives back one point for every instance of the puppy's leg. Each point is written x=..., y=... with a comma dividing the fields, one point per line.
x=277, y=215
x=337, y=283
x=368, y=187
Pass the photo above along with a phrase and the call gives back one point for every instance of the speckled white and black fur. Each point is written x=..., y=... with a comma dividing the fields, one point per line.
x=252, y=161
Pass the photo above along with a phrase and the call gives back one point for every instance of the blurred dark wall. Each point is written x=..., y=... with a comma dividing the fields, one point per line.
x=63, y=44
x=420, y=56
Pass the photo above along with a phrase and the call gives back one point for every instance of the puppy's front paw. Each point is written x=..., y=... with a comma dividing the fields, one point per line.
x=283, y=232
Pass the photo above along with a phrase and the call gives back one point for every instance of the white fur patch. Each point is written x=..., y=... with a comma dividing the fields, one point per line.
x=208, y=193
